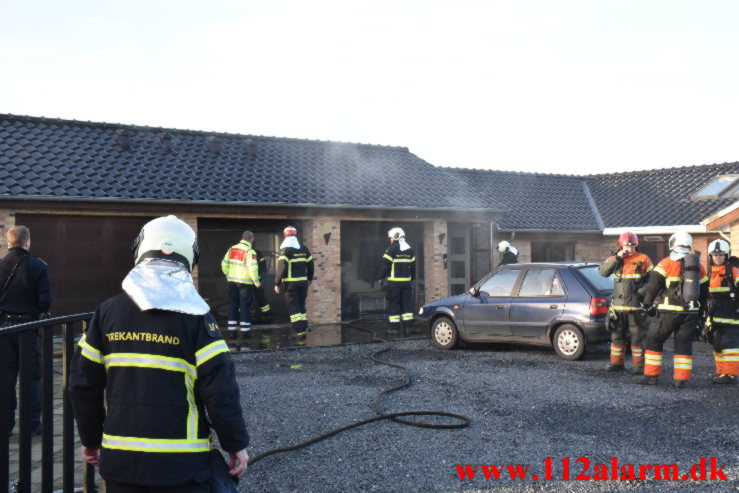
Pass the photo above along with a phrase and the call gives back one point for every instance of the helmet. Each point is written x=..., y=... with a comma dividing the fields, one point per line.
x=169, y=236
x=628, y=238
x=503, y=246
x=396, y=234
x=719, y=246
x=289, y=231
x=681, y=238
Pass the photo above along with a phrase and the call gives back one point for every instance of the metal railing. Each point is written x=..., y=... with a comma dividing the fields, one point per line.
x=25, y=332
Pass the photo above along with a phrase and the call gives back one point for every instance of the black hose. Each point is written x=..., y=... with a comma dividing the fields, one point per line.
x=380, y=415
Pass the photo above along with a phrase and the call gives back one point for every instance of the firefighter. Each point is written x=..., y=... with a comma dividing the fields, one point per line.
x=630, y=269
x=294, y=274
x=722, y=322
x=509, y=253
x=399, y=268
x=670, y=285
x=242, y=273
x=151, y=373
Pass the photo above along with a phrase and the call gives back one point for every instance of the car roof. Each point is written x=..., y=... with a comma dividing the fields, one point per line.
x=541, y=265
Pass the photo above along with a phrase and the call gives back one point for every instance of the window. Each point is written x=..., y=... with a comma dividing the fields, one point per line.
x=552, y=251
x=501, y=284
x=716, y=187
x=541, y=282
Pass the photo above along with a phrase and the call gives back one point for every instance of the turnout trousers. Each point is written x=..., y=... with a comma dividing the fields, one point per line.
x=399, y=305
x=240, y=296
x=726, y=349
x=684, y=326
x=632, y=322
x=295, y=295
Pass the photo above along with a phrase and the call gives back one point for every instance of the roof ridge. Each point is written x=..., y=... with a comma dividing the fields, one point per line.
x=662, y=170
x=111, y=125
x=506, y=172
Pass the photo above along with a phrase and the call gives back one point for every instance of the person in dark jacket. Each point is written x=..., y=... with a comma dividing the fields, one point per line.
x=509, y=253
x=630, y=269
x=25, y=295
x=399, y=269
x=294, y=273
x=152, y=374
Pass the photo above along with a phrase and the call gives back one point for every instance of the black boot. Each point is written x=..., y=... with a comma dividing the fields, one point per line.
x=637, y=370
x=614, y=367
x=648, y=380
x=724, y=379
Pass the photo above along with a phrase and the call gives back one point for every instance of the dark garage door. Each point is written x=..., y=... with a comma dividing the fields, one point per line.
x=88, y=256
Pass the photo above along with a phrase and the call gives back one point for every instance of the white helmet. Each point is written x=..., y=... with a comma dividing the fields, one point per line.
x=503, y=246
x=396, y=234
x=169, y=236
x=719, y=246
x=680, y=239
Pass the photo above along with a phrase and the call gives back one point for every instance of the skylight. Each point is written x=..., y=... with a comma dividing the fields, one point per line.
x=716, y=187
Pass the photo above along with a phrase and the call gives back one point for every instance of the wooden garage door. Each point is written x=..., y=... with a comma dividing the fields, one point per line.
x=88, y=256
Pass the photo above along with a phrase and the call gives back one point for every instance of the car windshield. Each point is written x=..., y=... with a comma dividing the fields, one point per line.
x=602, y=284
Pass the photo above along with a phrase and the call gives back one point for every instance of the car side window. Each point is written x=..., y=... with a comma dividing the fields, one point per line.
x=501, y=284
x=541, y=282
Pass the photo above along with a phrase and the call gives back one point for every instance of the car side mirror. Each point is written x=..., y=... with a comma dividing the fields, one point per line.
x=473, y=291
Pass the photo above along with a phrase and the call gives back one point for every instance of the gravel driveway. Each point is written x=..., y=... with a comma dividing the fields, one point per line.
x=525, y=403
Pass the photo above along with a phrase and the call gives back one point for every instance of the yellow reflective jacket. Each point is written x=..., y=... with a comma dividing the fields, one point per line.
x=240, y=264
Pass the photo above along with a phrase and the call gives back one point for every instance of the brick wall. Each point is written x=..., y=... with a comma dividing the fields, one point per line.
x=7, y=221
x=324, y=296
x=734, y=235
x=436, y=276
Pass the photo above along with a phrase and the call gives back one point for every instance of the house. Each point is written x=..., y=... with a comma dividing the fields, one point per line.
x=85, y=189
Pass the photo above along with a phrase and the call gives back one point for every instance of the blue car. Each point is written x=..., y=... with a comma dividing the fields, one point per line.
x=559, y=304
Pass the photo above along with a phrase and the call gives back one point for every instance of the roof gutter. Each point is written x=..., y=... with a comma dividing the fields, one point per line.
x=656, y=230
x=48, y=198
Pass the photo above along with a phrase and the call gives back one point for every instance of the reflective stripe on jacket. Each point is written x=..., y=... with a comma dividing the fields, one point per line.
x=294, y=265
x=722, y=295
x=399, y=266
x=668, y=276
x=629, y=279
x=240, y=264
x=141, y=383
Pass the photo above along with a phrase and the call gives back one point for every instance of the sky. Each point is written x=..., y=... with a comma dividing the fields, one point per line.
x=555, y=86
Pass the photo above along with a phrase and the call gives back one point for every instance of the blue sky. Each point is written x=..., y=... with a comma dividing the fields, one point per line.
x=562, y=86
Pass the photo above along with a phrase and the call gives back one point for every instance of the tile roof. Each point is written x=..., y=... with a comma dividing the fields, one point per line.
x=535, y=201
x=659, y=196
x=42, y=157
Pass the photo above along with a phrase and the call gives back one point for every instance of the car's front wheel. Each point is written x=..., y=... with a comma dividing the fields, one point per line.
x=569, y=342
x=444, y=333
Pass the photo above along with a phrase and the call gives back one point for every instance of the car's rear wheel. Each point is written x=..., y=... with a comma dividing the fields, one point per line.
x=569, y=342
x=444, y=333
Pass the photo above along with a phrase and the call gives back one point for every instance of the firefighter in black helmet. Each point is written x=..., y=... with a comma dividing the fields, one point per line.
x=149, y=367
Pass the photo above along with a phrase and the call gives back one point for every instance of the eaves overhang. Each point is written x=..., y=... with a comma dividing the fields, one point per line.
x=656, y=230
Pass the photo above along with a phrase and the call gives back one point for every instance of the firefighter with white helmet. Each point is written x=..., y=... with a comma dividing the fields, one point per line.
x=722, y=322
x=294, y=273
x=152, y=373
x=399, y=269
x=509, y=253
x=630, y=269
x=676, y=292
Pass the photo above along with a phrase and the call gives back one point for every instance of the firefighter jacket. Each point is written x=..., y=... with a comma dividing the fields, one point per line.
x=630, y=274
x=28, y=292
x=399, y=267
x=664, y=287
x=294, y=267
x=722, y=288
x=240, y=264
x=141, y=384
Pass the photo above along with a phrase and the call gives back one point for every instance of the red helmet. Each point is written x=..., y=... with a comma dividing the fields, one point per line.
x=628, y=238
x=289, y=231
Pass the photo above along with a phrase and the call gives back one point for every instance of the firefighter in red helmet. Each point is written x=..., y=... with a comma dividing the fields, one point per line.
x=294, y=272
x=630, y=269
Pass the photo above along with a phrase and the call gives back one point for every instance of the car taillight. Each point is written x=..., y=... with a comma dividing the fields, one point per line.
x=598, y=306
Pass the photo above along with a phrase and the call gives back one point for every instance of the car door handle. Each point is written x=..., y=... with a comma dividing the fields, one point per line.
x=499, y=307
x=553, y=307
